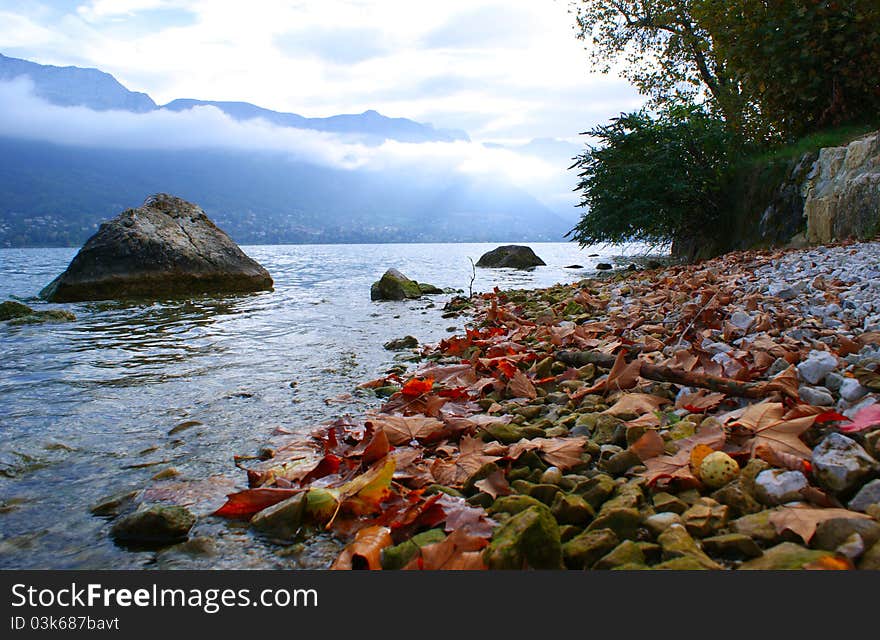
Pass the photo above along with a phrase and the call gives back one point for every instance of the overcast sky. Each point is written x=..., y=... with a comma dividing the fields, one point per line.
x=503, y=71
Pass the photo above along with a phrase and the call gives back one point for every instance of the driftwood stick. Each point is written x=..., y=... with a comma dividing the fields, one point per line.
x=658, y=373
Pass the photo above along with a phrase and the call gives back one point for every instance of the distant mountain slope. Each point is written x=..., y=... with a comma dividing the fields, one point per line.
x=74, y=86
x=53, y=195
x=57, y=195
x=369, y=123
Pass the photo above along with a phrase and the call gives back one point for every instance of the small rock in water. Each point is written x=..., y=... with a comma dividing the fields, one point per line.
x=407, y=342
x=817, y=365
x=393, y=285
x=154, y=524
x=575, y=266
x=512, y=256
x=603, y=266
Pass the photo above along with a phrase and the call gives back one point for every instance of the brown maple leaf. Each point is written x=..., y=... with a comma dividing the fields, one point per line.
x=623, y=375
x=455, y=471
x=405, y=429
x=699, y=401
x=649, y=445
x=521, y=387
x=458, y=552
x=766, y=424
x=495, y=484
x=804, y=520
x=637, y=403
x=461, y=516
x=677, y=466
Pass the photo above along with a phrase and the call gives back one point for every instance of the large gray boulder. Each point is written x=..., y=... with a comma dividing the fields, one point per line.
x=512, y=256
x=166, y=248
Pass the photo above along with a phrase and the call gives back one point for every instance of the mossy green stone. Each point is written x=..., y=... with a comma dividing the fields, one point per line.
x=513, y=504
x=571, y=509
x=12, y=309
x=677, y=543
x=684, y=563
x=502, y=432
x=623, y=522
x=784, y=557
x=585, y=549
x=154, y=524
x=431, y=489
x=529, y=539
x=627, y=552
x=398, y=556
x=735, y=546
x=544, y=492
x=597, y=489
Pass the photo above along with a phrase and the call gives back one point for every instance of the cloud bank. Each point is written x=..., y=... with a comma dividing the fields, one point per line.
x=24, y=115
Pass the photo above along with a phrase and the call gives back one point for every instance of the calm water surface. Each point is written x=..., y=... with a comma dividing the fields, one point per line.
x=86, y=406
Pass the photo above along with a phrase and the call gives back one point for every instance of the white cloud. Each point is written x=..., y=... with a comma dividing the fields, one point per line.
x=22, y=115
x=520, y=61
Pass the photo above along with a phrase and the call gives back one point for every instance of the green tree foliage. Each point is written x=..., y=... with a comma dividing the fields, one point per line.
x=804, y=65
x=653, y=179
x=662, y=48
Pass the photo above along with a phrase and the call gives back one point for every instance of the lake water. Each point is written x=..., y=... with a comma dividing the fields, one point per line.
x=86, y=406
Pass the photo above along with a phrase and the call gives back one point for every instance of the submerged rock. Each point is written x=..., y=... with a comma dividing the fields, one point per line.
x=18, y=313
x=512, y=256
x=12, y=309
x=399, y=344
x=154, y=524
x=166, y=247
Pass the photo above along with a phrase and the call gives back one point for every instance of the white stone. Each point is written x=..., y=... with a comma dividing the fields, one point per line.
x=817, y=365
x=816, y=396
x=851, y=390
x=839, y=463
x=776, y=486
x=741, y=320
x=867, y=495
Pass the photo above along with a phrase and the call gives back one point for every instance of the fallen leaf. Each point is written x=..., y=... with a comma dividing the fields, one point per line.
x=495, y=484
x=455, y=471
x=366, y=550
x=864, y=419
x=699, y=401
x=201, y=496
x=804, y=520
x=461, y=516
x=416, y=387
x=291, y=462
x=636, y=403
x=766, y=424
x=623, y=375
x=649, y=445
x=244, y=504
x=363, y=494
x=405, y=429
x=521, y=387
x=564, y=453
x=458, y=552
